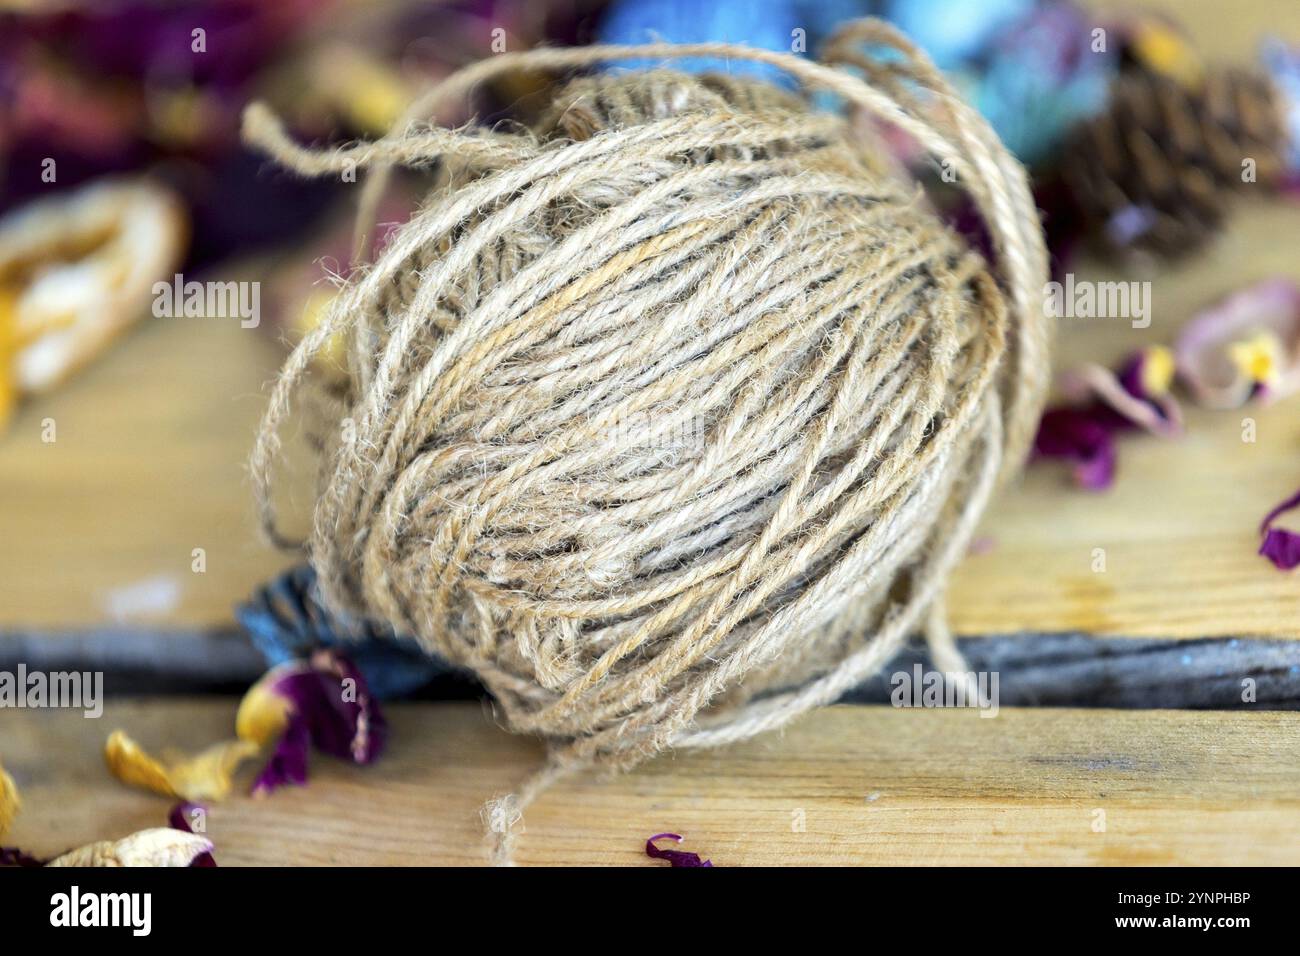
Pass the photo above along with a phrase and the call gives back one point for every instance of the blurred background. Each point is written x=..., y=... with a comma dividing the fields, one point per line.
x=127, y=536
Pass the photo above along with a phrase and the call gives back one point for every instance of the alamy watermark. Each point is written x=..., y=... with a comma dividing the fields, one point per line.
x=213, y=300
x=670, y=436
x=1073, y=299
x=922, y=688
x=77, y=690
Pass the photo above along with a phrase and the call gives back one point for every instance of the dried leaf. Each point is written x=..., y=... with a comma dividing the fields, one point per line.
x=161, y=846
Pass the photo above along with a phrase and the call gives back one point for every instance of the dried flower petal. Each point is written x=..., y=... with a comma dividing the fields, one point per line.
x=171, y=846
x=263, y=713
x=206, y=776
x=1138, y=392
x=345, y=719
x=288, y=763
x=1160, y=45
x=323, y=702
x=79, y=268
x=162, y=846
x=1243, y=347
x=1100, y=402
x=674, y=857
x=9, y=802
x=1258, y=357
x=1280, y=546
x=180, y=818
x=12, y=856
x=1076, y=436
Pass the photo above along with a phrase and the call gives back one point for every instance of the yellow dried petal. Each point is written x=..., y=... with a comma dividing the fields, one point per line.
x=133, y=766
x=371, y=93
x=263, y=714
x=1258, y=358
x=9, y=802
x=8, y=348
x=1158, y=367
x=161, y=846
x=1165, y=51
x=205, y=776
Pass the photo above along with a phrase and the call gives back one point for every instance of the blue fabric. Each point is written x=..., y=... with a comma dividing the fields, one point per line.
x=1024, y=64
x=954, y=32
x=768, y=26
x=285, y=622
x=1283, y=65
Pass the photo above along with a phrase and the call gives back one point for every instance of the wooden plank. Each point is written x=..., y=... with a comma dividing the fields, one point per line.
x=847, y=785
x=148, y=463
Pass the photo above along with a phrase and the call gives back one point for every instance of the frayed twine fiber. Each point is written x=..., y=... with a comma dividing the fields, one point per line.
x=670, y=416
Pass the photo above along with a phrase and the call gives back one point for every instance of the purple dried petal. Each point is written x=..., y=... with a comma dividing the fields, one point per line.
x=351, y=724
x=1120, y=400
x=331, y=707
x=674, y=857
x=179, y=819
x=288, y=763
x=179, y=816
x=1098, y=404
x=1280, y=546
x=12, y=856
x=1076, y=435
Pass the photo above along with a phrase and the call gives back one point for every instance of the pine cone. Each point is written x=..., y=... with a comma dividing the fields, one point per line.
x=1155, y=170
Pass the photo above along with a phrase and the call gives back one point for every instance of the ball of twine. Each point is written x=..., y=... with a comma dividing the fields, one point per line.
x=669, y=416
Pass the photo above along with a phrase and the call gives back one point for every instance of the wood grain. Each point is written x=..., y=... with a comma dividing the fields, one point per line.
x=148, y=463
x=847, y=785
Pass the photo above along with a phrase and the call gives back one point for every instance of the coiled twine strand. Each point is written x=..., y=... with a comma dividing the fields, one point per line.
x=670, y=416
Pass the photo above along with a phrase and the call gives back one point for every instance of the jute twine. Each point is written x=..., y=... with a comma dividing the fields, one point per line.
x=669, y=416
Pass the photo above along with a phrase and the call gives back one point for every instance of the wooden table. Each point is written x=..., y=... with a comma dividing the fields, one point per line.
x=847, y=785
x=99, y=530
